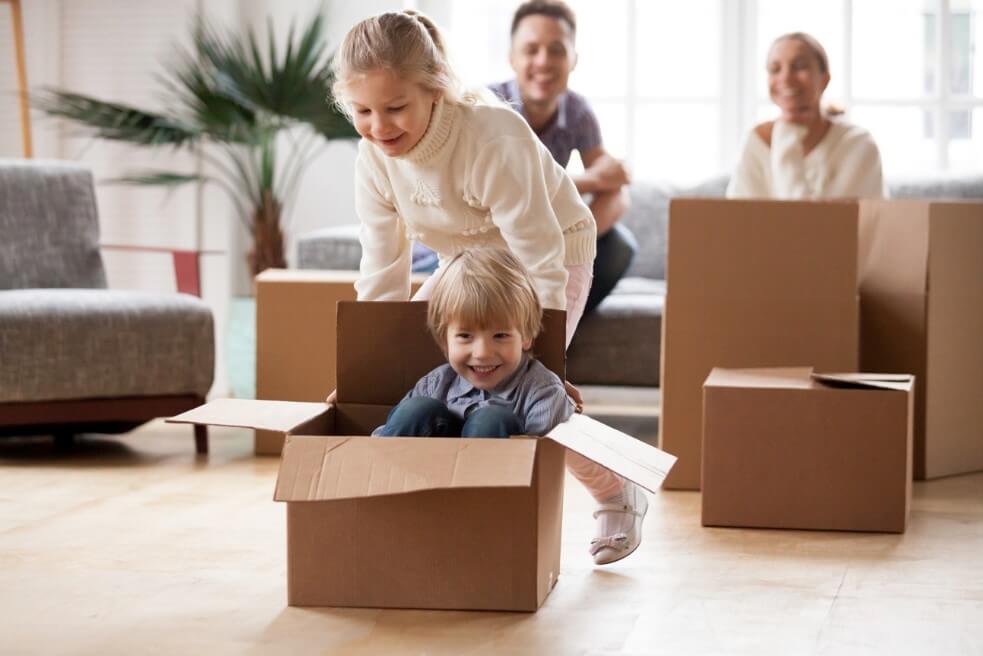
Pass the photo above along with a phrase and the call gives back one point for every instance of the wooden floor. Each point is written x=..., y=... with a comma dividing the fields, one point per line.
x=134, y=546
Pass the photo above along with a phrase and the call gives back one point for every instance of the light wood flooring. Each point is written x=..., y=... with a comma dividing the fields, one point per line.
x=133, y=545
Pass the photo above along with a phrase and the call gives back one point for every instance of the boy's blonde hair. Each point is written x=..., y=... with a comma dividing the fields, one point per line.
x=485, y=288
x=407, y=43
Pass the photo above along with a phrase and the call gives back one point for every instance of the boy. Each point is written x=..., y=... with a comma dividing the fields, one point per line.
x=485, y=314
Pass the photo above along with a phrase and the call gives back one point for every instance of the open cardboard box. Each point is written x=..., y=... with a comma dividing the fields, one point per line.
x=788, y=448
x=420, y=523
x=296, y=339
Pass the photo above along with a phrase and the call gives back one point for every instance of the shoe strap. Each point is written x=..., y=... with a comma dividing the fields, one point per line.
x=616, y=507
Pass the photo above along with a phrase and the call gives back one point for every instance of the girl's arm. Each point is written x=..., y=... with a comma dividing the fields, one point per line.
x=384, y=271
x=512, y=179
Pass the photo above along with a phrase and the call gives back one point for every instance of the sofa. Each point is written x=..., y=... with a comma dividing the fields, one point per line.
x=76, y=357
x=619, y=343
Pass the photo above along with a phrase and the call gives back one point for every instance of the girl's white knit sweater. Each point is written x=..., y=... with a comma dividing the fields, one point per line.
x=478, y=177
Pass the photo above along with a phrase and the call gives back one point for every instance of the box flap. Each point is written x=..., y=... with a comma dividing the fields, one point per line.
x=619, y=452
x=902, y=382
x=784, y=377
x=384, y=348
x=326, y=468
x=282, y=416
x=804, y=378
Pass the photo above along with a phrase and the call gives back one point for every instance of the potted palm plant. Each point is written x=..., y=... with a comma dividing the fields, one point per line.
x=256, y=116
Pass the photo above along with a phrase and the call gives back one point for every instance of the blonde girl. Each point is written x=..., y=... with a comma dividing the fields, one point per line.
x=445, y=168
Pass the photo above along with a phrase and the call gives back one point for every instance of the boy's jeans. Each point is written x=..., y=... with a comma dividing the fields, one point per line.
x=422, y=416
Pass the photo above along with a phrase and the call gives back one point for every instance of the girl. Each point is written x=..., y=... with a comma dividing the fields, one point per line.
x=441, y=167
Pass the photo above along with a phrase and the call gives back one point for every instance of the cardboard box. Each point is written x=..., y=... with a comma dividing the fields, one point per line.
x=786, y=448
x=296, y=318
x=921, y=299
x=752, y=284
x=420, y=523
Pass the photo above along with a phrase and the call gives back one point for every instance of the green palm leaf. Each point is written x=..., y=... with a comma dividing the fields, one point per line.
x=118, y=122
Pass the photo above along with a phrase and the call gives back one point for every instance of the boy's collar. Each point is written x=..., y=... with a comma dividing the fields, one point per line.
x=461, y=386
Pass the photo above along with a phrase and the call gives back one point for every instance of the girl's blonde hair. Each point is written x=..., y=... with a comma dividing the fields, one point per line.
x=485, y=288
x=407, y=43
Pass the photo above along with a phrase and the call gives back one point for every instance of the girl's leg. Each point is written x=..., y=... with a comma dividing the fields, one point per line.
x=421, y=416
x=601, y=482
x=426, y=289
x=578, y=287
x=621, y=504
x=492, y=421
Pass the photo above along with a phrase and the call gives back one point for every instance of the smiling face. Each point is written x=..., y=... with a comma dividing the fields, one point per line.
x=795, y=80
x=542, y=57
x=389, y=111
x=484, y=356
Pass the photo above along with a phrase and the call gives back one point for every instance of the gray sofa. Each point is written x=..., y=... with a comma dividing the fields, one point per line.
x=619, y=343
x=75, y=356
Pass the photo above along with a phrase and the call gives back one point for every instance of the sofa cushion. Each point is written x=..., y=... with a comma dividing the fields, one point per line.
x=618, y=343
x=336, y=247
x=948, y=187
x=49, y=226
x=648, y=218
x=60, y=344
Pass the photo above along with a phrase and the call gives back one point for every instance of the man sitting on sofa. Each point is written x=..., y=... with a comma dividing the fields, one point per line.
x=543, y=56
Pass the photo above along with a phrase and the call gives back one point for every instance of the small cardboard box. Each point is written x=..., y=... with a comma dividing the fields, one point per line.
x=752, y=284
x=786, y=448
x=420, y=523
x=296, y=318
x=921, y=312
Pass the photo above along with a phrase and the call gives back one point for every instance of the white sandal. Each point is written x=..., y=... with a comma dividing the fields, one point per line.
x=611, y=548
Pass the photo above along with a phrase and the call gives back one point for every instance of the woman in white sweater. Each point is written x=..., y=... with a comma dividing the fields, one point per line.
x=443, y=168
x=806, y=152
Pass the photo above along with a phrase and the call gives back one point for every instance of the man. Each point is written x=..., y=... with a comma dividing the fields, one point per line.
x=543, y=56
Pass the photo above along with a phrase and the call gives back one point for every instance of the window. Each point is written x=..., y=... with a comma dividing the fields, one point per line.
x=678, y=85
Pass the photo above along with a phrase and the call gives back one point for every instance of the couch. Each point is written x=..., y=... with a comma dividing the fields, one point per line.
x=76, y=357
x=619, y=343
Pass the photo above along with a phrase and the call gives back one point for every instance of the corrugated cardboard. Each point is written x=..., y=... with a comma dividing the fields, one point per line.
x=420, y=523
x=784, y=448
x=295, y=337
x=921, y=290
x=752, y=284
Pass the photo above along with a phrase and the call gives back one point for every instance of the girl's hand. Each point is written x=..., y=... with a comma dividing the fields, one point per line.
x=332, y=397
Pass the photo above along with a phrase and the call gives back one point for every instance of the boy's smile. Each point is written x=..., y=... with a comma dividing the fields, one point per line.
x=484, y=357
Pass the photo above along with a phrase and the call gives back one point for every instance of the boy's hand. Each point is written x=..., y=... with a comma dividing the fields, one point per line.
x=332, y=397
x=575, y=396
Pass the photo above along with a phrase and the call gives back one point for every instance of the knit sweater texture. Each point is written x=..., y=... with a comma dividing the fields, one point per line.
x=844, y=164
x=478, y=177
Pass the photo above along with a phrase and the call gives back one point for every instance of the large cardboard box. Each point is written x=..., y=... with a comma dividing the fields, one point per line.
x=295, y=337
x=752, y=284
x=786, y=448
x=921, y=299
x=420, y=523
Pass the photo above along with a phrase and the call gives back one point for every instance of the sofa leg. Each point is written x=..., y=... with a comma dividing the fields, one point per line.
x=201, y=440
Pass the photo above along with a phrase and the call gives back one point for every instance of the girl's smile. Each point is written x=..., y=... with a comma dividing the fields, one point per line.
x=390, y=112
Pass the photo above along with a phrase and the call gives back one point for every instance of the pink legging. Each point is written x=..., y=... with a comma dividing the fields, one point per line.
x=601, y=482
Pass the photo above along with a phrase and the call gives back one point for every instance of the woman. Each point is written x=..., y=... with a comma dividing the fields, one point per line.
x=806, y=152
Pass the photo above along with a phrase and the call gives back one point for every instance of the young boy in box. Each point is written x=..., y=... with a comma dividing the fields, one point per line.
x=484, y=313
